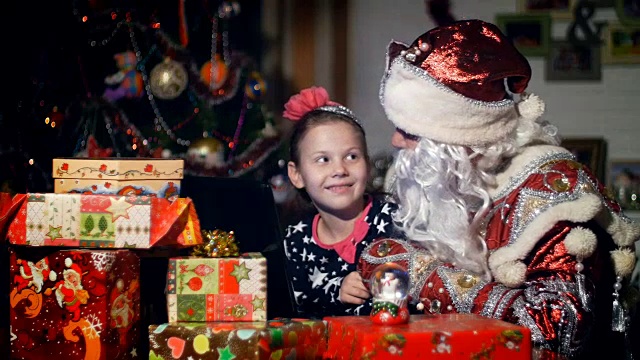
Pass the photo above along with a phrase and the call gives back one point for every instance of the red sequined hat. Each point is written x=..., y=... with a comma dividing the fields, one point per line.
x=449, y=85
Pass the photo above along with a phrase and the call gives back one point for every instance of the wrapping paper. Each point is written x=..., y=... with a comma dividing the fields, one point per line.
x=273, y=339
x=74, y=304
x=119, y=176
x=118, y=168
x=217, y=289
x=447, y=336
x=168, y=189
x=103, y=221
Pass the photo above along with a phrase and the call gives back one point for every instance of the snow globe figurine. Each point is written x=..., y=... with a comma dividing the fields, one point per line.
x=389, y=286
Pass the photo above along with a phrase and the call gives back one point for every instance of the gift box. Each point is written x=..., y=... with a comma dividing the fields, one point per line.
x=274, y=339
x=118, y=176
x=446, y=336
x=74, y=304
x=217, y=289
x=109, y=221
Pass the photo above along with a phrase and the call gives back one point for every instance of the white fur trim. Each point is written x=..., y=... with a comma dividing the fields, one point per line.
x=53, y=276
x=624, y=260
x=520, y=162
x=580, y=210
x=623, y=233
x=421, y=106
x=511, y=273
x=581, y=242
x=68, y=262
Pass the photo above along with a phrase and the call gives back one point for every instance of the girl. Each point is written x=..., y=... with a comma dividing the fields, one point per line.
x=329, y=163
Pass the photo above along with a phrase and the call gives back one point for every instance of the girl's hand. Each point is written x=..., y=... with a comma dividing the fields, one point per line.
x=352, y=290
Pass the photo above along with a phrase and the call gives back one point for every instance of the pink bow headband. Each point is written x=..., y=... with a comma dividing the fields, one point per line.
x=313, y=98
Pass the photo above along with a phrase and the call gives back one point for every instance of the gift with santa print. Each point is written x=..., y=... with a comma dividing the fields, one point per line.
x=83, y=304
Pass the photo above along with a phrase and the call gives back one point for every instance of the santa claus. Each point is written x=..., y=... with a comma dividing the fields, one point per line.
x=69, y=291
x=33, y=274
x=122, y=308
x=121, y=311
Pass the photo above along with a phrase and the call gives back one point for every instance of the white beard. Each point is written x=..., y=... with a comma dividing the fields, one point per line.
x=439, y=190
x=38, y=279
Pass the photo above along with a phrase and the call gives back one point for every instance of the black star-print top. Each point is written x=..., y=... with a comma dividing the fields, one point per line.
x=316, y=273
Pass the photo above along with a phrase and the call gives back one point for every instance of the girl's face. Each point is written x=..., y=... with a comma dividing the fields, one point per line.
x=333, y=168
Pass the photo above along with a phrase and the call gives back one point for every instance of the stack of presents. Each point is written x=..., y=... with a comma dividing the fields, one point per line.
x=75, y=276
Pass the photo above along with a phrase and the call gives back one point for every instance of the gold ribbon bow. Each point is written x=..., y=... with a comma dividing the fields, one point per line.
x=217, y=243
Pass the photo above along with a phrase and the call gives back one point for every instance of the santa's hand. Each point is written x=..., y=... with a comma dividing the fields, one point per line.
x=352, y=290
x=47, y=292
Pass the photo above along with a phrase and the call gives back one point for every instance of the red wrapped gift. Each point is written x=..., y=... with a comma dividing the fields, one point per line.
x=446, y=336
x=273, y=339
x=109, y=221
x=74, y=304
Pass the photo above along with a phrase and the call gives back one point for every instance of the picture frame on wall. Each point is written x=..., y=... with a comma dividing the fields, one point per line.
x=624, y=183
x=557, y=9
x=622, y=44
x=628, y=12
x=591, y=152
x=530, y=33
x=571, y=62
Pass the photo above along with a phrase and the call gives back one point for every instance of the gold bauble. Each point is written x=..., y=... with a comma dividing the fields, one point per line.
x=168, y=79
x=207, y=151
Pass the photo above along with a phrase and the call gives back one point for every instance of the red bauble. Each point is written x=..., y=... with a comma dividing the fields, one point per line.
x=195, y=283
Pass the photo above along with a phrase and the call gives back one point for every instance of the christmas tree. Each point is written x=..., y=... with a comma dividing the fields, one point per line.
x=176, y=79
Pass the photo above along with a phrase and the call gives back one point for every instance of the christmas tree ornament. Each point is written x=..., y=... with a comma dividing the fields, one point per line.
x=389, y=286
x=229, y=9
x=128, y=81
x=206, y=152
x=55, y=118
x=255, y=87
x=168, y=79
x=214, y=76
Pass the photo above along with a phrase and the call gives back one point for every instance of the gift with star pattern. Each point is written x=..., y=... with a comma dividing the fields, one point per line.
x=103, y=221
x=217, y=288
x=118, y=176
x=74, y=304
x=440, y=336
x=265, y=340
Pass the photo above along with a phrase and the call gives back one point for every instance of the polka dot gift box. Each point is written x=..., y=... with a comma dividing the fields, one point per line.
x=265, y=340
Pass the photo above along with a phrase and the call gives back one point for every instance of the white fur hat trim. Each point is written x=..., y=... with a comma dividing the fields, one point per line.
x=581, y=242
x=53, y=276
x=511, y=273
x=624, y=260
x=418, y=104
